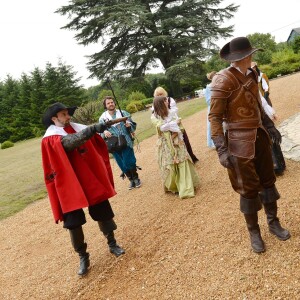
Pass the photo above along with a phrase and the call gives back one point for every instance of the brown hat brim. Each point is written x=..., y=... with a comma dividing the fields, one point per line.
x=237, y=55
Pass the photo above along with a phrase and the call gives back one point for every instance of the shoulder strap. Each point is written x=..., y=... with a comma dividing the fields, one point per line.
x=247, y=83
x=243, y=79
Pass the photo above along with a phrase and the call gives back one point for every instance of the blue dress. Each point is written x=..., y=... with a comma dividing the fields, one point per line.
x=207, y=95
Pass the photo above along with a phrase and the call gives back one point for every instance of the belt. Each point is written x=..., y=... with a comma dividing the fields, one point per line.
x=242, y=125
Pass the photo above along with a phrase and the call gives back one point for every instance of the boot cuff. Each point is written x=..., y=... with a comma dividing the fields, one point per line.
x=250, y=206
x=269, y=195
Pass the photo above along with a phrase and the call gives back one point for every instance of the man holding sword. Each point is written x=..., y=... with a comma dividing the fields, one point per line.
x=125, y=157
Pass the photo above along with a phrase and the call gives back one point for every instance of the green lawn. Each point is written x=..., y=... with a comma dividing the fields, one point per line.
x=186, y=108
x=21, y=177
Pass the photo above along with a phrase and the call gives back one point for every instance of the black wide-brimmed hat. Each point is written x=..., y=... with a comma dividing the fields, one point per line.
x=52, y=111
x=237, y=49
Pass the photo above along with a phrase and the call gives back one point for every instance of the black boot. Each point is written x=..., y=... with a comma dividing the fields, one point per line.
x=257, y=243
x=77, y=239
x=130, y=177
x=108, y=227
x=135, y=177
x=273, y=222
x=114, y=248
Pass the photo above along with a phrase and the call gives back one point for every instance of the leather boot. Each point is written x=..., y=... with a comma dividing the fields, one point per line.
x=77, y=240
x=273, y=222
x=257, y=243
x=107, y=228
x=114, y=248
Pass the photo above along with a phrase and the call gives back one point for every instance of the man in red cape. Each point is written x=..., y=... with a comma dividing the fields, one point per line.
x=78, y=174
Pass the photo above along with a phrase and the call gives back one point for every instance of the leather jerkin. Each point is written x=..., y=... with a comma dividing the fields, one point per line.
x=241, y=113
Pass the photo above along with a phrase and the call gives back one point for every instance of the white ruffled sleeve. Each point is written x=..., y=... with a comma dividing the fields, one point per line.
x=269, y=110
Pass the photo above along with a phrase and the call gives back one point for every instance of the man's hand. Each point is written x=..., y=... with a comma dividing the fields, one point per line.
x=275, y=135
x=107, y=134
x=222, y=150
x=127, y=124
x=225, y=161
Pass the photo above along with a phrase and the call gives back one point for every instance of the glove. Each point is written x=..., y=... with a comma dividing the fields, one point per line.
x=275, y=135
x=99, y=128
x=222, y=150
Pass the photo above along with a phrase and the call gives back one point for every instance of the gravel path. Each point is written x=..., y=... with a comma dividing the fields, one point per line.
x=175, y=249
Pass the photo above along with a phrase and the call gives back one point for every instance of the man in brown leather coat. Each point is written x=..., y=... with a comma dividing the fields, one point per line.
x=245, y=148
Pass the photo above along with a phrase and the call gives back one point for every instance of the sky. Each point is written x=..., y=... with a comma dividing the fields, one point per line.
x=31, y=35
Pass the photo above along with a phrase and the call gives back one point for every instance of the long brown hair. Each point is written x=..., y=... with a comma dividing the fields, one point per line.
x=160, y=108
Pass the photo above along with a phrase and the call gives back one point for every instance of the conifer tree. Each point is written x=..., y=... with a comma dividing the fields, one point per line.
x=135, y=35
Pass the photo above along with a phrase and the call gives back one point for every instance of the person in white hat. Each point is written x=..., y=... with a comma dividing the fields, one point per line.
x=245, y=148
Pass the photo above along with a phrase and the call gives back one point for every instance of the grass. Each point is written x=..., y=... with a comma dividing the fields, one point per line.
x=145, y=129
x=21, y=175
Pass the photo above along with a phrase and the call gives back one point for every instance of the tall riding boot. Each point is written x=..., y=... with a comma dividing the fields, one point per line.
x=114, y=248
x=77, y=239
x=135, y=176
x=257, y=243
x=273, y=222
x=130, y=177
x=108, y=227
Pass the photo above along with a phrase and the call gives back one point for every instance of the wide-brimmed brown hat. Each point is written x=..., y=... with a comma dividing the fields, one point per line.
x=52, y=111
x=237, y=49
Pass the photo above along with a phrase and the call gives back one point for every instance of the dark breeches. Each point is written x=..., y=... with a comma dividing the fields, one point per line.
x=250, y=176
x=99, y=212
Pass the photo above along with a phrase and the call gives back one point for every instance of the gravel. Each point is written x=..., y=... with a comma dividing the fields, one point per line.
x=175, y=248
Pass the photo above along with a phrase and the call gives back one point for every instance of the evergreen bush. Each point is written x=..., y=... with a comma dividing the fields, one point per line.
x=88, y=113
x=7, y=144
x=147, y=101
x=135, y=106
x=136, y=96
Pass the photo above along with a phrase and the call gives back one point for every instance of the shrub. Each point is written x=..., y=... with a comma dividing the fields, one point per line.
x=104, y=93
x=280, y=69
x=283, y=62
x=296, y=45
x=88, y=113
x=37, y=131
x=147, y=101
x=135, y=106
x=285, y=56
x=7, y=144
x=136, y=96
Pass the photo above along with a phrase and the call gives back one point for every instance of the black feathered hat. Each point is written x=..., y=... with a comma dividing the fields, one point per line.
x=52, y=111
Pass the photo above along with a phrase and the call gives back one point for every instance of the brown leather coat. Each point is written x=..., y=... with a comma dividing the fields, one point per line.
x=236, y=107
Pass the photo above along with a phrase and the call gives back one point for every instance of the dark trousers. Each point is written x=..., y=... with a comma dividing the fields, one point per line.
x=125, y=159
x=99, y=212
x=250, y=176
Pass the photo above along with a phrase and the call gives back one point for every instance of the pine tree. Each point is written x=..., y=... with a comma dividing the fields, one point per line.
x=138, y=34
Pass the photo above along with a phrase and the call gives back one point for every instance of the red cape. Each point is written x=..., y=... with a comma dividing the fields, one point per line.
x=76, y=179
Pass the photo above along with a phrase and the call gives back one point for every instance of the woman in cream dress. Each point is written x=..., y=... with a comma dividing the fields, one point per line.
x=176, y=166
